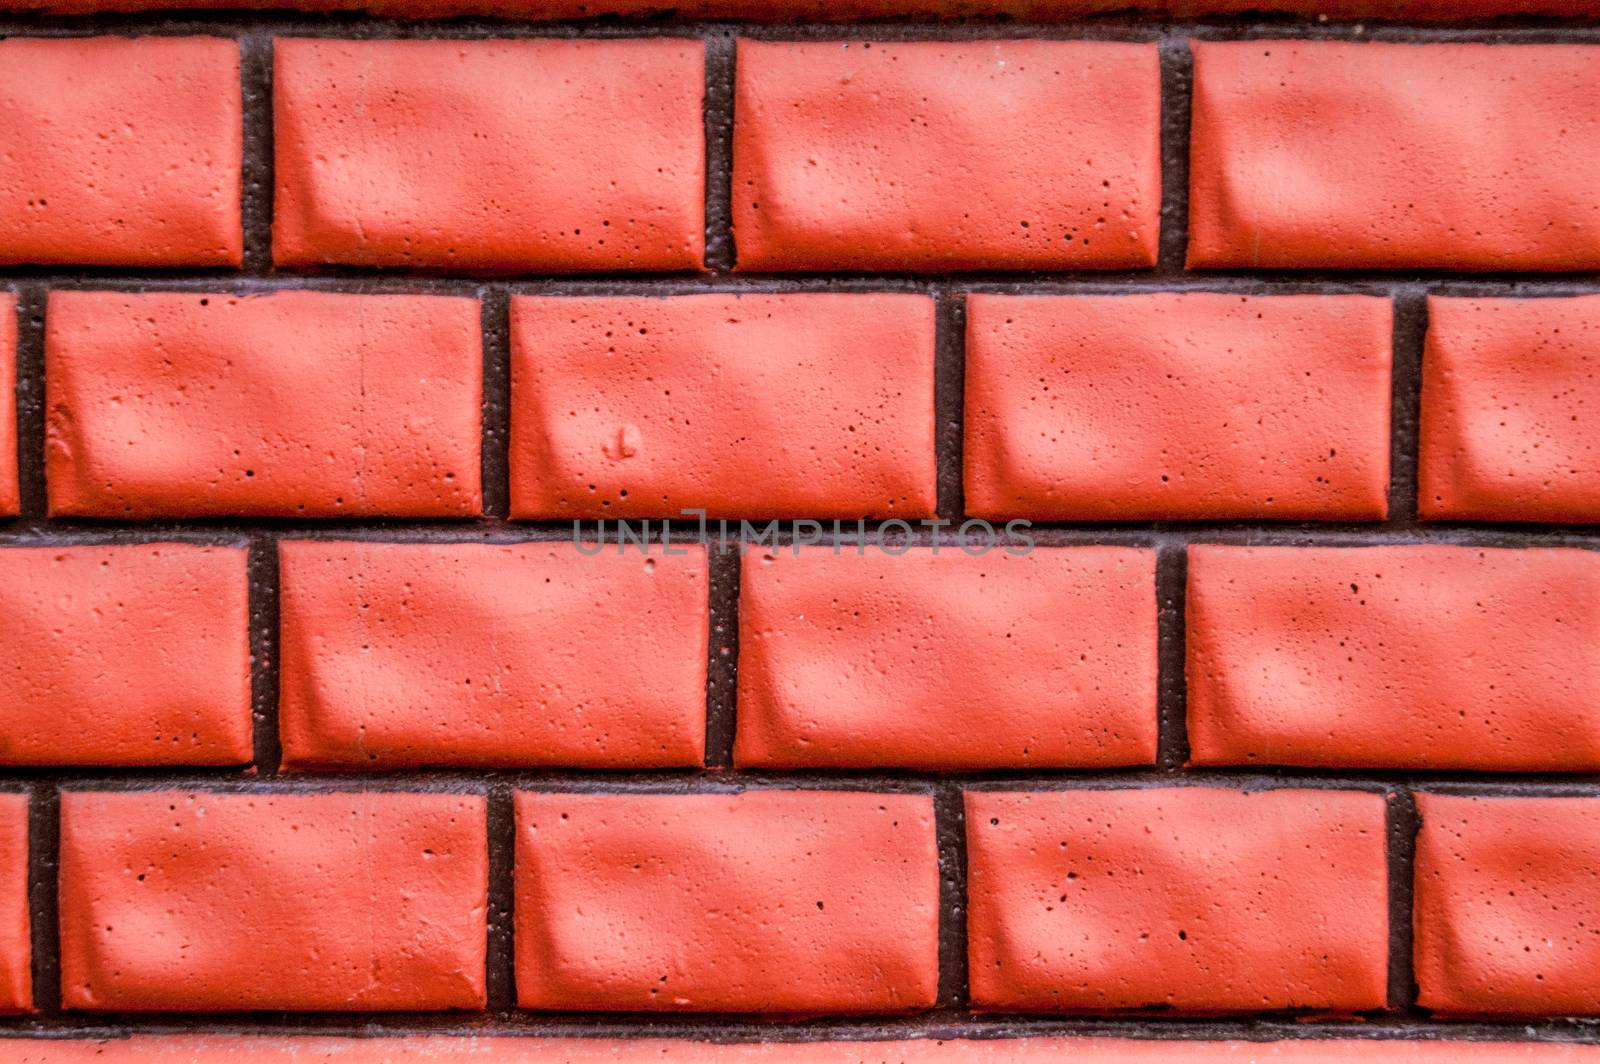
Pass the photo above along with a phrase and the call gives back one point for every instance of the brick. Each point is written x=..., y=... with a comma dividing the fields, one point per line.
x=543, y=1049
x=202, y=902
x=1433, y=657
x=129, y=654
x=120, y=151
x=1505, y=905
x=16, y=948
x=752, y=406
x=1328, y=154
x=10, y=499
x=878, y=659
x=946, y=155
x=292, y=404
x=760, y=901
x=404, y=655
x=438, y=153
x=1182, y=898
x=1178, y=406
x=1508, y=390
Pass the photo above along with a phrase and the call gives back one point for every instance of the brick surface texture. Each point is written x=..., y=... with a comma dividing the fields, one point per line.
x=799, y=531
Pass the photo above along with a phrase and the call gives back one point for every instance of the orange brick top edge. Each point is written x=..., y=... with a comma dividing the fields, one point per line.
x=250, y=1049
x=848, y=10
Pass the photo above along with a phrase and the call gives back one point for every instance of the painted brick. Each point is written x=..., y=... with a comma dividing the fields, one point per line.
x=199, y=901
x=1509, y=389
x=10, y=500
x=1349, y=155
x=753, y=406
x=761, y=901
x=131, y=654
x=16, y=948
x=850, y=10
x=1178, y=406
x=869, y=156
x=438, y=153
x=947, y=660
x=294, y=404
x=402, y=655
x=280, y=1049
x=120, y=151
x=1506, y=910
x=1185, y=898
x=1430, y=656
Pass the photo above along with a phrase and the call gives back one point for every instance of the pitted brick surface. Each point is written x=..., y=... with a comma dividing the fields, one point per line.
x=124, y=655
x=343, y=720
x=207, y=902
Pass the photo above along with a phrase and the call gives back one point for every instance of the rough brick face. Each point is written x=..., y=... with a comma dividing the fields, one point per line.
x=16, y=952
x=1349, y=155
x=399, y=655
x=1177, y=406
x=773, y=901
x=10, y=502
x=1394, y=657
x=795, y=405
x=439, y=153
x=124, y=655
x=1510, y=387
x=120, y=151
x=201, y=901
x=307, y=404
x=352, y=370
x=877, y=659
x=1506, y=907
x=1186, y=898
x=865, y=156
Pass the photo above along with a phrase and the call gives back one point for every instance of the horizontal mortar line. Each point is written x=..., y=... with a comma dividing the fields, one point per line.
x=1509, y=29
x=788, y=533
x=745, y=1027
x=1021, y=282
x=467, y=780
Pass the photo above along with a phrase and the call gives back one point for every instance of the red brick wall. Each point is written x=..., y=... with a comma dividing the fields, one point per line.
x=1275, y=336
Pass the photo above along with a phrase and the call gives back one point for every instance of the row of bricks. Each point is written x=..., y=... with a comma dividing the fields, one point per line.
x=845, y=155
x=507, y=656
x=1169, y=405
x=233, y=1049
x=788, y=901
x=846, y=10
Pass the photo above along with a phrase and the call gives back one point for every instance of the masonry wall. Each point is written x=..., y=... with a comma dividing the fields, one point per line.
x=1251, y=356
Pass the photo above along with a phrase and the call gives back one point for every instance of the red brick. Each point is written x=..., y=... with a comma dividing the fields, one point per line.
x=439, y=153
x=292, y=1049
x=307, y=404
x=1508, y=395
x=401, y=655
x=120, y=151
x=798, y=405
x=1185, y=898
x=946, y=155
x=866, y=660
x=1431, y=656
x=1178, y=405
x=16, y=949
x=1506, y=909
x=124, y=655
x=10, y=500
x=761, y=901
x=1339, y=155
x=198, y=901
